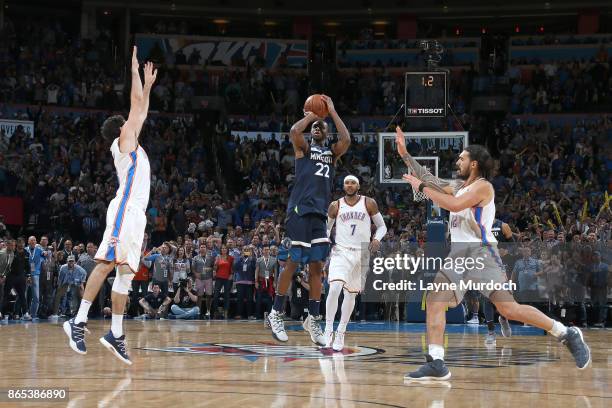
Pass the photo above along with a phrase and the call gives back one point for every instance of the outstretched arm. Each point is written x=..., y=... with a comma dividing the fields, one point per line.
x=481, y=193
x=344, y=136
x=332, y=213
x=419, y=171
x=139, y=105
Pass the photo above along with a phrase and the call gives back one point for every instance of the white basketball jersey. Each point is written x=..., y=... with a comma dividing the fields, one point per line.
x=134, y=173
x=473, y=224
x=353, y=224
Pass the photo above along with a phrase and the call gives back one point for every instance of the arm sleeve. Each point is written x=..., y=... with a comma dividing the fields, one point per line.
x=381, y=228
x=423, y=174
x=330, y=225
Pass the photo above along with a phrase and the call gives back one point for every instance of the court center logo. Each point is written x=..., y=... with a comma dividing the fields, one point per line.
x=257, y=350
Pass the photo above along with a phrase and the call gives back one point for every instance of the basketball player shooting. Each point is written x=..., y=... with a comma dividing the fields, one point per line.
x=472, y=210
x=306, y=215
x=349, y=262
x=125, y=218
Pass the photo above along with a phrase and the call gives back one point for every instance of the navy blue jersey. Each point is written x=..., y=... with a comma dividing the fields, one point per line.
x=312, y=185
x=496, y=229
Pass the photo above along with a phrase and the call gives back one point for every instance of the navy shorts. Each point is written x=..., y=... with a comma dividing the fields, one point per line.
x=308, y=234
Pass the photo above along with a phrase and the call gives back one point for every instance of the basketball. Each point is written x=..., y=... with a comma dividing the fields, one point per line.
x=317, y=105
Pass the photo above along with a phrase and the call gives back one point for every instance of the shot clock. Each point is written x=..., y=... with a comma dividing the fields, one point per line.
x=426, y=94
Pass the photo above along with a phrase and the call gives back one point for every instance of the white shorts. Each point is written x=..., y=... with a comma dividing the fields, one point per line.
x=349, y=265
x=122, y=240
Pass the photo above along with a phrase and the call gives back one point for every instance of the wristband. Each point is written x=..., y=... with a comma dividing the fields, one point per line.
x=421, y=187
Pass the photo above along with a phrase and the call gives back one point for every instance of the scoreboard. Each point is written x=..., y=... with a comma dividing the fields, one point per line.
x=426, y=94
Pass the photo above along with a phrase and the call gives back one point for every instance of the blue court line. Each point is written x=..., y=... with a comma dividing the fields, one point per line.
x=377, y=327
x=402, y=327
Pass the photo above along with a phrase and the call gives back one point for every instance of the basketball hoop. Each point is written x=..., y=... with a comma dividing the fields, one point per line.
x=417, y=195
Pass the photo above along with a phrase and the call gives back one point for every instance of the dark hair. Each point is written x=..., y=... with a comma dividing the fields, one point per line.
x=481, y=155
x=111, y=128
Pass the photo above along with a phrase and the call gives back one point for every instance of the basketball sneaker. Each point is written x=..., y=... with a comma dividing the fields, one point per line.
x=432, y=370
x=117, y=346
x=474, y=320
x=338, y=341
x=76, y=334
x=575, y=343
x=312, y=326
x=277, y=325
x=328, y=337
x=506, y=330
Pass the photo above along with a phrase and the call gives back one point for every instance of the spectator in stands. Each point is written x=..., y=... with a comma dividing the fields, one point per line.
x=244, y=277
x=184, y=306
x=202, y=270
x=599, y=282
x=7, y=256
x=71, y=278
x=266, y=273
x=155, y=303
x=162, y=262
x=222, y=275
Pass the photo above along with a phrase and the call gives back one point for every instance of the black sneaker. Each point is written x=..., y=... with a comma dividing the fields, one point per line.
x=575, y=343
x=116, y=346
x=432, y=370
x=76, y=334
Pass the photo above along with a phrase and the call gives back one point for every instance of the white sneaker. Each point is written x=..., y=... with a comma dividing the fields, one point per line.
x=53, y=317
x=474, y=320
x=277, y=325
x=338, y=341
x=26, y=317
x=312, y=326
x=328, y=337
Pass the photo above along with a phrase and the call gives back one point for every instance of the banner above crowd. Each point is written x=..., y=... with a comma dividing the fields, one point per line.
x=222, y=51
x=8, y=127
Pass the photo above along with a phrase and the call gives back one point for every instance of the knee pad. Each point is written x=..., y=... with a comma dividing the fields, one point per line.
x=123, y=283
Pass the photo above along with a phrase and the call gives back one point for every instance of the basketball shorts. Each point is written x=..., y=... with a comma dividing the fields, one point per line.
x=123, y=236
x=308, y=235
x=485, y=275
x=349, y=265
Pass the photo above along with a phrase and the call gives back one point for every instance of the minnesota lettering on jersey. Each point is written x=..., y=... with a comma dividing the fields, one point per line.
x=322, y=157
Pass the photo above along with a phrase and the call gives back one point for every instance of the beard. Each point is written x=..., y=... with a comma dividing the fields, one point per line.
x=462, y=176
x=353, y=194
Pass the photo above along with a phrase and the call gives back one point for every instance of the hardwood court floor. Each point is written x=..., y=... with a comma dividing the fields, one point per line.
x=237, y=364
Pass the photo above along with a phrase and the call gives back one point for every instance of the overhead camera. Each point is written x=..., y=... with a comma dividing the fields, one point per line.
x=432, y=51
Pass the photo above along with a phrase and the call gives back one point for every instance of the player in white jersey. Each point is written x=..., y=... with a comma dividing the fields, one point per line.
x=353, y=215
x=472, y=212
x=125, y=217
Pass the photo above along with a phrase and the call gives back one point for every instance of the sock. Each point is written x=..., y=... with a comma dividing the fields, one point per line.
x=279, y=303
x=558, y=329
x=491, y=326
x=348, y=304
x=83, y=311
x=117, y=325
x=436, y=352
x=313, y=307
x=331, y=304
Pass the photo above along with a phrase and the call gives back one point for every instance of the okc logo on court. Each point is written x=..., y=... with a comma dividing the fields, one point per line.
x=254, y=351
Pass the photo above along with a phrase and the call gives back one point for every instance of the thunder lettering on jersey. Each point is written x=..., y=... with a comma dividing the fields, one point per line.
x=353, y=224
x=312, y=185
